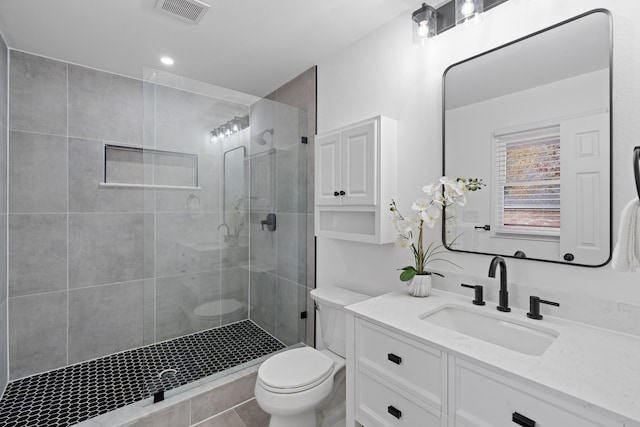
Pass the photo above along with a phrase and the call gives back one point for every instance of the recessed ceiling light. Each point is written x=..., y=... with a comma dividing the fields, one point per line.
x=166, y=60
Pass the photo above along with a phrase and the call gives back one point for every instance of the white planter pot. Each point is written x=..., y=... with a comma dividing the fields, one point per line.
x=420, y=285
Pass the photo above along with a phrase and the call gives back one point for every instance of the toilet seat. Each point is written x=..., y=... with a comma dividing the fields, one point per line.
x=295, y=370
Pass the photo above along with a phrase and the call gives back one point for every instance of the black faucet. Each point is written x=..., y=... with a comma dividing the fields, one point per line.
x=503, y=296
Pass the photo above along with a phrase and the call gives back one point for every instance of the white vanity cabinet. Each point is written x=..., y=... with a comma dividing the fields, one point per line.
x=482, y=398
x=398, y=382
x=355, y=179
x=395, y=380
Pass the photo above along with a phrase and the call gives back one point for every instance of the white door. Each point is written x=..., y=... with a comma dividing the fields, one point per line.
x=359, y=164
x=584, y=186
x=327, y=170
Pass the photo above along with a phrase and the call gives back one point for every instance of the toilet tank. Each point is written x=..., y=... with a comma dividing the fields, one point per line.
x=330, y=304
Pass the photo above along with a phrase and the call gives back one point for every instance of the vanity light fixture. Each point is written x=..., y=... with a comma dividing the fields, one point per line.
x=424, y=24
x=467, y=10
x=428, y=21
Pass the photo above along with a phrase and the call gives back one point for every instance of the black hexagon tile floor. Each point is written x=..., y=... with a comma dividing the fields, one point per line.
x=69, y=395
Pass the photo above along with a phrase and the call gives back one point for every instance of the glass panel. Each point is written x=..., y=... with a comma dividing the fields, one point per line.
x=278, y=185
x=226, y=259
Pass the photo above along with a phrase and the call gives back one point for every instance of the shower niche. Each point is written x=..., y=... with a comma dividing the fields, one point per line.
x=124, y=166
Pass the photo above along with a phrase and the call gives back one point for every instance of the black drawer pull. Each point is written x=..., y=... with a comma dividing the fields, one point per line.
x=394, y=411
x=523, y=421
x=395, y=359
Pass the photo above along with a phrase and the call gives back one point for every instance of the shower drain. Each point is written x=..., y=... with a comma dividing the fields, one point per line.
x=163, y=383
x=167, y=373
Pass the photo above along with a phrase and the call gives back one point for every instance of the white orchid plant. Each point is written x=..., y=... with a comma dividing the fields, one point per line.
x=439, y=195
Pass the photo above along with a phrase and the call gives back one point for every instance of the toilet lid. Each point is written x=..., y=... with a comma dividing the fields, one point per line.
x=295, y=369
x=218, y=308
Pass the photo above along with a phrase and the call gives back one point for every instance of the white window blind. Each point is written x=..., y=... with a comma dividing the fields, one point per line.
x=528, y=182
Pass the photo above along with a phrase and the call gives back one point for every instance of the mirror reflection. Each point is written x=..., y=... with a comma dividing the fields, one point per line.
x=532, y=119
x=234, y=194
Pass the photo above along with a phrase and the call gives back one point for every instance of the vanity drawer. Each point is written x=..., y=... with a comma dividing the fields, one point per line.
x=418, y=369
x=486, y=399
x=378, y=405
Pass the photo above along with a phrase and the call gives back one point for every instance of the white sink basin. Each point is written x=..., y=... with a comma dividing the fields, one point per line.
x=493, y=328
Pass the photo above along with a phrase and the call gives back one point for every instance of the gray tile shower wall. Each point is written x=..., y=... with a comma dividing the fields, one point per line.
x=38, y=94
x=95, y=270
x=37, y=253
x=37, y=333
x=34, y=188
x=4, y=84
x=105, y=106
x=98, y=314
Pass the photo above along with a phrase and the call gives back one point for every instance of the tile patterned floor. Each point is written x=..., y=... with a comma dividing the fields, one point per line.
x=76, y=393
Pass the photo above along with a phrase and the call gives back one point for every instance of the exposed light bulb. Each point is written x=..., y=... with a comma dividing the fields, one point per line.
x=468, y=8
x=235, y=128
x=166, y=60
x=227, y=132
x=423, y=28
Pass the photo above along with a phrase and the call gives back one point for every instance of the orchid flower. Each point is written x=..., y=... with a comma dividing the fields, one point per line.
x=446, y=192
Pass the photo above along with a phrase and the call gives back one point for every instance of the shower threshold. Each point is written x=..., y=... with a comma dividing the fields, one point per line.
x=69, y=395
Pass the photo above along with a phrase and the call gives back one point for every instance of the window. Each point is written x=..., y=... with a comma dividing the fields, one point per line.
x=528, y=182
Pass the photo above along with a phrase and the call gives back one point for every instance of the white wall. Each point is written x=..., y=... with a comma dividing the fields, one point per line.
x=385, y=74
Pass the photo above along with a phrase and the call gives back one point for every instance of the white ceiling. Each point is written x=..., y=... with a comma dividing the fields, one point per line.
x=253, y=46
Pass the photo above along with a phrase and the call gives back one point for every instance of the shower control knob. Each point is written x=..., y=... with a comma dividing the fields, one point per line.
x=342, y=193
x=336, y=194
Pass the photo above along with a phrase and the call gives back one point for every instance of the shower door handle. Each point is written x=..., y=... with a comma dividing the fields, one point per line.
x=270, y=222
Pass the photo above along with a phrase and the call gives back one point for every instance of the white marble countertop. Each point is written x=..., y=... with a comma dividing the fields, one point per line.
x=597, y=366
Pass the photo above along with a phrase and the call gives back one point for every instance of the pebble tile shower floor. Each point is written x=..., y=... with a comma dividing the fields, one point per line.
x=76, y=393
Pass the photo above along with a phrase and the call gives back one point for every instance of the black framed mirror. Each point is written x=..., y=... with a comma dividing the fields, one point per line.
x=532, y=118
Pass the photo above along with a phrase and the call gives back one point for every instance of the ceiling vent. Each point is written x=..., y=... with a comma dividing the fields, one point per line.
x=190, y=11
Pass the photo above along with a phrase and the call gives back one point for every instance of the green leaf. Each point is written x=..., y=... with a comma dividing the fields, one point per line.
x=409, y=267
x=408, y=274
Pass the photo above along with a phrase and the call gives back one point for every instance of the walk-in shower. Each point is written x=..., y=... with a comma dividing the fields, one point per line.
x=159, y=270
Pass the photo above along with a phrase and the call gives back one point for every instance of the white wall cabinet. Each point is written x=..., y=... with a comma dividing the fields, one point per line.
x=393, y=380
x=355, y=179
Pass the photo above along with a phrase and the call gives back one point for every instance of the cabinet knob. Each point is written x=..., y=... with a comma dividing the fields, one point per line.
x=342, y=193
x=523, y=421
x=336, y=194
x=394, y=412
x=394, y=358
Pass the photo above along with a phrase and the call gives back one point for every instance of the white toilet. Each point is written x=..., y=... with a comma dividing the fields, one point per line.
x=291, y=385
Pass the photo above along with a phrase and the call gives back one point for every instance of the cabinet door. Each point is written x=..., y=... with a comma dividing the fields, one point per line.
x=485, y=399
x=327, y=181
x=359, y=164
